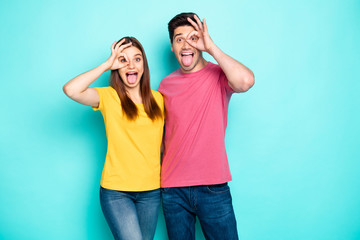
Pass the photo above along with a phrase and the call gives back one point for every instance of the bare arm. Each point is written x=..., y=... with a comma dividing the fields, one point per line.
x=240, y=78
x=78, y=88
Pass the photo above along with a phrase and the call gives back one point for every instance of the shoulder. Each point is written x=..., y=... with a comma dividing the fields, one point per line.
x=212, y=67
x=174, y=74
x=170, y=81
x=159, y=99
x=214, y=71
x=219, y=73
x=157, y=95
x=107, y=94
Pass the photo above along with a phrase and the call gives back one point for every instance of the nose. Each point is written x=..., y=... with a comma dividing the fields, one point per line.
x=131, y=64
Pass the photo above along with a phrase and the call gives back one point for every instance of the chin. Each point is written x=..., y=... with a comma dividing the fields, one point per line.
x=133, y=85
x=189, y=68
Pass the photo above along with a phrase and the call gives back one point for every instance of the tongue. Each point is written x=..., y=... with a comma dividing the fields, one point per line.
x=132, y=78
x=187, y=60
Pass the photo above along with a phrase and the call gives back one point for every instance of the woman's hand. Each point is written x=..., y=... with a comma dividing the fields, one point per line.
x=118, y=59
x=78, y=88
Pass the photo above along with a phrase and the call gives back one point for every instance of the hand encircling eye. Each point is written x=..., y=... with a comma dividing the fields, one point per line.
x=122, y=59
x=118, y=59
x=200, y=38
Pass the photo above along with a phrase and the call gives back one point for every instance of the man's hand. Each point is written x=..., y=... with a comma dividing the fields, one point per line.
x=200, y=39
x=240, y=78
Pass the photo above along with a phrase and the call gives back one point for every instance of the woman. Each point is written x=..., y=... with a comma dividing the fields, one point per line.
x=134, y=120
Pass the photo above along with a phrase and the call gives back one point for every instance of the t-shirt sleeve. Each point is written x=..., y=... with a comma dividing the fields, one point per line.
x=101, y=91
x=225, y=83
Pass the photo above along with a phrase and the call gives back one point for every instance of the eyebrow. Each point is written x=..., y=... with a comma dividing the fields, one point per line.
x=178, y=35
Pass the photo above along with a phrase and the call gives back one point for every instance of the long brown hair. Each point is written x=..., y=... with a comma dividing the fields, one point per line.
x=128, y=106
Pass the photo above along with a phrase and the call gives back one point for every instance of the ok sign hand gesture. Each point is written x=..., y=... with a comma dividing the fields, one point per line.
x=118, y=59
x=200, y=38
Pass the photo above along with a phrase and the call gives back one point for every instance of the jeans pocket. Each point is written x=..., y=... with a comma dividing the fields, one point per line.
x=218, y=188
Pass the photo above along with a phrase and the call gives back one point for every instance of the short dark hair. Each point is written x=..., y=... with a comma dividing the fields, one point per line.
x=178, y=21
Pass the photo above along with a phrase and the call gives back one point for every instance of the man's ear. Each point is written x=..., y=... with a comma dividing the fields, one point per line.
x=172, y=49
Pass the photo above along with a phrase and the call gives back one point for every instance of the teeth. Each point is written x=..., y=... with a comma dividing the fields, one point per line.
x=186, y=54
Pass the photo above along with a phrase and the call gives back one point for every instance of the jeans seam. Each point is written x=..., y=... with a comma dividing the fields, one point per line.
x=227, y=190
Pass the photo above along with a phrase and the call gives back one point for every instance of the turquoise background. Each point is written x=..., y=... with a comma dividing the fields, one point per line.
x=292, y=140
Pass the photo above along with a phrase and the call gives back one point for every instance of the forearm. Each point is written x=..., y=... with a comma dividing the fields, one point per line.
x=240, y=77
x=79, y=84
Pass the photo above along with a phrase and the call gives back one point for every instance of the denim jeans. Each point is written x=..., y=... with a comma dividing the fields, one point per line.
x=212, y=204
x=131, y=215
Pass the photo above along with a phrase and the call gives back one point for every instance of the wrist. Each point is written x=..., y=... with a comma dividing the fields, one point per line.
x=105, y=66
x=213, y=50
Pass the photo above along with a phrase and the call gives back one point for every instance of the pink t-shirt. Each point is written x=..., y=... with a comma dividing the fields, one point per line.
x=195, y=123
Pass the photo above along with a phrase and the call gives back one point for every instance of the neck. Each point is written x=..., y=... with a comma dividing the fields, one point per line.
x=134, y=94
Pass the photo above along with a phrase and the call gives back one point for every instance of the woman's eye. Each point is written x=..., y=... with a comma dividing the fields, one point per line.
x=138, y=59
x=123, y=60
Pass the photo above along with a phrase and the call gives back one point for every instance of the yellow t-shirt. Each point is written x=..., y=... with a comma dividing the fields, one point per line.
x=132, y=160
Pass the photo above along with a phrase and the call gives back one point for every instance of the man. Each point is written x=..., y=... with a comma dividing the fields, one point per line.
x=195, y=169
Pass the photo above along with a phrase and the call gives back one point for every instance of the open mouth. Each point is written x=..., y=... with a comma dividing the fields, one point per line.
x=131, y=77
x=187, y=58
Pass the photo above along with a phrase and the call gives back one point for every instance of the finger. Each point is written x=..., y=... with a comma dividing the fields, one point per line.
x=118, y=44
x=192, y=34
x=116, y=47
x=122, y=66
x=205, y=26
x=193, y=24
x=124, y=56
x=112, y=47
x=125, y=46
x=189, y=39
x=199, y=22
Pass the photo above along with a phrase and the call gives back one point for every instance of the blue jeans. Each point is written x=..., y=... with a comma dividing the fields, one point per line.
x=131, y=215
x=212, y=204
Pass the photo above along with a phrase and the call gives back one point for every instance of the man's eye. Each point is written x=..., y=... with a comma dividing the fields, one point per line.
x=194, y=38
x=179, y=40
